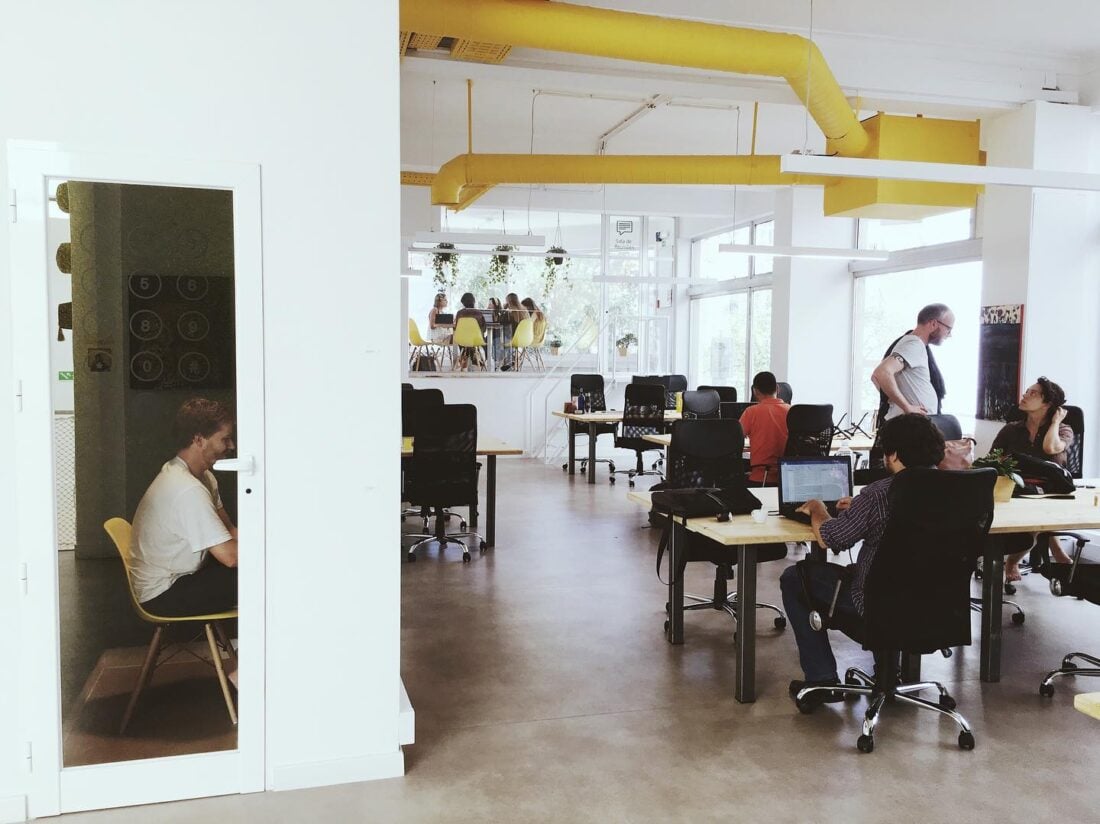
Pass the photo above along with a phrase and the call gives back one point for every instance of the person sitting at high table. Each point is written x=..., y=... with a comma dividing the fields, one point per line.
x=765, y=425
x=439, y=333
x=468, y=311
x=1042, y=435
x=908, y=440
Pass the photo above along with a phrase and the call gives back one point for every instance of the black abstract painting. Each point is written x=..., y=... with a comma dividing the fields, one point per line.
x=999, y=361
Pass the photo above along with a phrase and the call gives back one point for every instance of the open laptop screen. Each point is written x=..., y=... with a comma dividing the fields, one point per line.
x=804, y=479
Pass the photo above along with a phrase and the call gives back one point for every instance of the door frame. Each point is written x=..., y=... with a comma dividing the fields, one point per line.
x=52, y=788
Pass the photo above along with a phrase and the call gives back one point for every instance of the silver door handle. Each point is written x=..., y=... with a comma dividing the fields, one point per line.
x=244, y=465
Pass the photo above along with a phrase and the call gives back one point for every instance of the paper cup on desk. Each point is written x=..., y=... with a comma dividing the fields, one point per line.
x=760, y=515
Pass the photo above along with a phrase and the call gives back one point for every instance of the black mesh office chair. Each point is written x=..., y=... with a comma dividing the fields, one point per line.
x=676, y=383
x=726, y=394
x=417, y=404
x=643, y=414
x=1081, y=579
x=592, y=387
x=917, y=593
x=707, y=453
x=809, y=430
x=703, y=403
x=443, y=472
x=784, y=391
x=664, y=381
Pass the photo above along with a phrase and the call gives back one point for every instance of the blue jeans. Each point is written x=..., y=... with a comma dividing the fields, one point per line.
x=815, y=654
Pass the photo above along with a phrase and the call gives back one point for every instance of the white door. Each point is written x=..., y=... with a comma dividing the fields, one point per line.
x=52, y=787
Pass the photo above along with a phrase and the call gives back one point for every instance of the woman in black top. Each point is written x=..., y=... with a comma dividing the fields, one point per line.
x=1042, y=435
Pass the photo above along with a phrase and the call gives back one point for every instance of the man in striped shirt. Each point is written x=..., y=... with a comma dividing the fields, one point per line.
x=907, y=440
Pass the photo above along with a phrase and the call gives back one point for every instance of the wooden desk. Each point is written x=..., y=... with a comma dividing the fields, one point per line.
x=490, y=447
x=593, y=420
x=1017, y=515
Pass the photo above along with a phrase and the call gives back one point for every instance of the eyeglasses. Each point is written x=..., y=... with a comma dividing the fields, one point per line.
x=944, y=325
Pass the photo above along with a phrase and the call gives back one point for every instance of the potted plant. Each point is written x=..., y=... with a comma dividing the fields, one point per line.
x=554, y=262
x=555, y=344
x=625, y=342
x=1007, y=479
x=498, y=266
x=445, y=259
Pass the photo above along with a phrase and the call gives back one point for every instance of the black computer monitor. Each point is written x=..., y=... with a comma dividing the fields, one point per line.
x=732, y=410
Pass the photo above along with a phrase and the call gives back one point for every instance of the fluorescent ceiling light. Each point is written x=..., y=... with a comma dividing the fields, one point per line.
x=480, y=238
x=937, y=172
x=803, y=252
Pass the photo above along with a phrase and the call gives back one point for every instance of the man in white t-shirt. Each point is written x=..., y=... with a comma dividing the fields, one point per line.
x=184, y=545
x=908, y=375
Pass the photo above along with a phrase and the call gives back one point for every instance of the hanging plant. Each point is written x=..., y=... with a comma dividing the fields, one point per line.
x=440, y=262
x=555, y=265
x=498, y=266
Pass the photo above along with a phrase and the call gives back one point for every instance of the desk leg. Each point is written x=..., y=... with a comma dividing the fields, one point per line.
x=491, y=500
x=674, y=626
x=745, y=685
x=592, y=452
x=993, y=569
x=572, y=446
x=489, y=357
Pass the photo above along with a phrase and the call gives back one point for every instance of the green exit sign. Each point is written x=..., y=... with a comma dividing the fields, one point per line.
x=64, y=376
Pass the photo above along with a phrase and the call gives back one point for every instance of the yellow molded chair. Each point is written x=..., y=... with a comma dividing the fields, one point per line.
x=119, y=529
x=420, y=347
x=470, y=341
x=537, y=342
x=521, y=341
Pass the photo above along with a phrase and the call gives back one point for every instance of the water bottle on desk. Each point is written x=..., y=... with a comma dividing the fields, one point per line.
x=582, y=404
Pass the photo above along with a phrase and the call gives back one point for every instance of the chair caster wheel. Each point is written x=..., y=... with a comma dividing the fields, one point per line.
x=461, y=526
x=851, y=681
x=1046, y=690
x=465, y=557
x=483, y=546
x=948, y=652
x=565, y=467
x=666, y=626
x=1009, y=589
x=805, y=706
x=412, y=558
x=611, y=480
x=631, y=484
x=611, y=466
x=865, y=743
x=584, y=470
x=1068, y=665
x=1018, y=618
x=966, y=741
x=947, y=702
x=780, y=622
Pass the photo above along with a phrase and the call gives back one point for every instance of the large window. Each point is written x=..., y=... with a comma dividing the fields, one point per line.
x=589, y=309
x=710, y=264
x=892, y=235
x=886, y=307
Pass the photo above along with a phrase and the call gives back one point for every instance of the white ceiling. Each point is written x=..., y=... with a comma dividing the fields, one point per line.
x=1059, y=28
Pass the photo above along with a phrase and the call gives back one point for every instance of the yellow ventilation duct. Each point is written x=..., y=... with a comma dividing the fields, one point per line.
x=565, y=27
x=465, y=177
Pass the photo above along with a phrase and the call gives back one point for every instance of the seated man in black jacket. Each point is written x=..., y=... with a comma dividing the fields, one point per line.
x=907, y=440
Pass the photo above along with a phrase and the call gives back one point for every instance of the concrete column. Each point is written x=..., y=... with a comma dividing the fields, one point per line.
x=812, y=302
x=1041, y=248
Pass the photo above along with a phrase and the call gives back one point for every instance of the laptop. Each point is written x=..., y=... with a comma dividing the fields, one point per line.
x=444, y=319
x=805, y=479
x=488, y=316
x=732, y=410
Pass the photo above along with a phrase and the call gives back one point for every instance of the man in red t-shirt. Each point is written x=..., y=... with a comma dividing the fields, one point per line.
x=765, y=425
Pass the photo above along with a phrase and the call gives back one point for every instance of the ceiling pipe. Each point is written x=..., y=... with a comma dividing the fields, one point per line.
x=466, y=177
x=565, y=27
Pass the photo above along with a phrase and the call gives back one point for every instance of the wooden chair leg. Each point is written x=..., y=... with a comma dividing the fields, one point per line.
x=222, y=680
x=223, y=637
x=143, y=678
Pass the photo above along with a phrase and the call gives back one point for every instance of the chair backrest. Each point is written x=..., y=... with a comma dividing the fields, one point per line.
x=415, y=337
x=468, y=333
x=734, y=410
x=917, y=591
x=592, y=387
x=419, y=405
x=524, y=334
x=121, y=533
x=643, y=410
x=702, y=403
x=539, y=334
x=809, y=430
x=948, y=425
x=443, y=467
x=677, y=383
x=784, y=391
x=726, y=394
x=705, y=452
x=1075, y=420
x=405, y=387
x=650, y=380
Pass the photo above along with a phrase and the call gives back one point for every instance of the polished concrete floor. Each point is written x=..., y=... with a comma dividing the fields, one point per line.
x=544, y=691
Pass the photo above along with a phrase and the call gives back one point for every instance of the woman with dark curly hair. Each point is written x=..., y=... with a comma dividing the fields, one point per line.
x=1040, y=434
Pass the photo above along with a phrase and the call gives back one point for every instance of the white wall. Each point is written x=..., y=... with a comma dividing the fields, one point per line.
x=267, y=84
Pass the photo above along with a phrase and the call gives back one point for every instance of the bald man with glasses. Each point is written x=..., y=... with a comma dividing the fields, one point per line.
x=908, y=379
